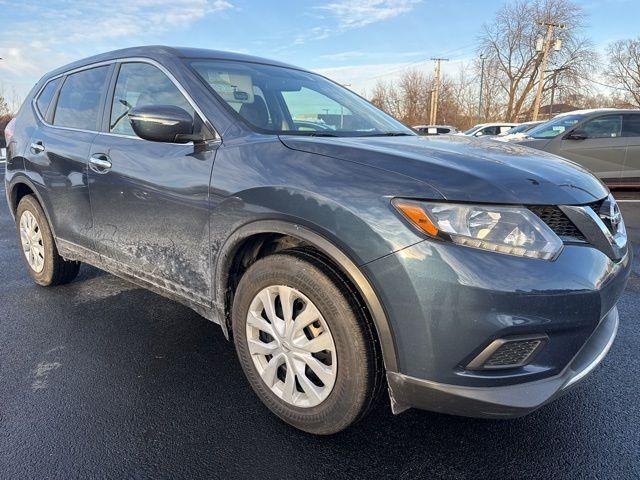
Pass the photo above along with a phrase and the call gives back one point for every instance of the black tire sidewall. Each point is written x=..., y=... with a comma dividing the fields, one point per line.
x=349, y=395
x=46, y=276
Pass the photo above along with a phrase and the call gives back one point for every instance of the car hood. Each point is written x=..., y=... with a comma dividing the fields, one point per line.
x=465, y=169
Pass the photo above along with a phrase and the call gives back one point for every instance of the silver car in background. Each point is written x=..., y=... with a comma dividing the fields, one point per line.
x=605, y=141
x=489, y=129
x=518, y=132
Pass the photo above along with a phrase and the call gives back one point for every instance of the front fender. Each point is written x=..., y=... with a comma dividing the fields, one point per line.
x=328, y=248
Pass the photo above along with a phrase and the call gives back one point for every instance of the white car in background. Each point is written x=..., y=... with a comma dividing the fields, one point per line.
x=435, y=129
x=3, y=150
x=489, y=129
x=518, y=132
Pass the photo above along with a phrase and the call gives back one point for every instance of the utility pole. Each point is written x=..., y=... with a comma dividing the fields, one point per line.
x=436, y=91
x=553, y=92
x=545, y=56
x=482, y=59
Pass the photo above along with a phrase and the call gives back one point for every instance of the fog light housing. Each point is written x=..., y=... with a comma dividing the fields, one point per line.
x=509, y=352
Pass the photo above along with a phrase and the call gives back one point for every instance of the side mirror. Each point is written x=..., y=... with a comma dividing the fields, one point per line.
x=577, y=135
x=163, y=123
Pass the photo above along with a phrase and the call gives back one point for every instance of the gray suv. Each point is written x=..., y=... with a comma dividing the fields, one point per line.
x=606, y=141
x=466, y=277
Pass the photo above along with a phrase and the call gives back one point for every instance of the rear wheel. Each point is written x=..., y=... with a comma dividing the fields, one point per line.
x=38, y=247
x=304, y=342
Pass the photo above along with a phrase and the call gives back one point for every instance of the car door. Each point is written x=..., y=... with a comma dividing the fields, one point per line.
x=598, y=145
x=150, y=199
x=631, y=131
x=68, y=109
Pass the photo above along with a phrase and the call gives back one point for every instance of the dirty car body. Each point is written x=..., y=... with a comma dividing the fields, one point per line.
x=463, y=327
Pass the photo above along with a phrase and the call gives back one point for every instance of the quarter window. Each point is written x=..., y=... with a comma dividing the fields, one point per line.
x=141, y=84
x=603, y=127
x=79, y=101
x=45, y=97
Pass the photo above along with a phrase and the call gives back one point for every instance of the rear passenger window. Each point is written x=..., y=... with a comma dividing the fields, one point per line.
x=79, y=100
x=138, y=85
x=45, y=97
x=603, y=127
x=631, y=126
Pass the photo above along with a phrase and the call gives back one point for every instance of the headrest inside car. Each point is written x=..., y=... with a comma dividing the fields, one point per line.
x=232, y=87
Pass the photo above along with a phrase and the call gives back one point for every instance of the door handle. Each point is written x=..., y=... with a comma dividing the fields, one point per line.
x=99, y=163
x=37, y=147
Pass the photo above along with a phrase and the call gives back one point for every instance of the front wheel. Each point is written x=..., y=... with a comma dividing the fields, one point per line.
x=44, y=263
x=304, y=342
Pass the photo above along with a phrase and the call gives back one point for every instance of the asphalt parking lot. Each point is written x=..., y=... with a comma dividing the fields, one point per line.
x=101, y=379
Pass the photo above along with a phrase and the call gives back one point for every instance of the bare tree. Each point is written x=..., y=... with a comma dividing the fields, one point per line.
x=623, y=68
x=408, y=99
x=4, y=105
x=509, y=44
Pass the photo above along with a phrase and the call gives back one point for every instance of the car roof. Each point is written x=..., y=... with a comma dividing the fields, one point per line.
x=157, y=52
x=590, y=111
x=531, y=122
x=494, y=124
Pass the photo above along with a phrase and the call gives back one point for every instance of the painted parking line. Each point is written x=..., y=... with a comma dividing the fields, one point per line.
x=628, y=201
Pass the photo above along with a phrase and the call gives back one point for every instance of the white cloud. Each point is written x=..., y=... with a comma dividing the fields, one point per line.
x=338, y=57
x=84, y=28
x=359, y=13
x=352, y=14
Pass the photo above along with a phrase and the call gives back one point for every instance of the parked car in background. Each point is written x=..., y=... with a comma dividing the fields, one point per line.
x=435, y=129
x=3, y=147
x=606, y=141
x=464, y=277
x=517, y=132
x=489, y=129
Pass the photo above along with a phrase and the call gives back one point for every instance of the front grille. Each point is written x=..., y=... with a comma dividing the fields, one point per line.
x=508, y=352
x=558, y=222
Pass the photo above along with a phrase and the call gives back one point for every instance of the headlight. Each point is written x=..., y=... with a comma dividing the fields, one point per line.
x=510, y=230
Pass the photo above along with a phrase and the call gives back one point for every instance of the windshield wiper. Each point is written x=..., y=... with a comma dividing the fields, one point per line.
x=390, y=134
x=319, y=134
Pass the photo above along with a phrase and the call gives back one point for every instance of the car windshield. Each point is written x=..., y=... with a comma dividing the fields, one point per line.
x=472, y=130
x=554, y=127
x=284, y=100
x=517, y=129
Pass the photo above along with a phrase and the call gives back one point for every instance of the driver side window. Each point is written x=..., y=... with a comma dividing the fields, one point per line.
x=609, y=126
x=142, y=84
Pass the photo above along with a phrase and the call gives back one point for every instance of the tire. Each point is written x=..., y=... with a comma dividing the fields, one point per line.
x=52, y=269
x=358, y=368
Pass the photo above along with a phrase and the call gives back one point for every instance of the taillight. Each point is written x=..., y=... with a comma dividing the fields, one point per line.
x=9, y=130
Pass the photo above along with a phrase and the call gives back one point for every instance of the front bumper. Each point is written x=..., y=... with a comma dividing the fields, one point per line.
x=504, y=401
x=447, y=303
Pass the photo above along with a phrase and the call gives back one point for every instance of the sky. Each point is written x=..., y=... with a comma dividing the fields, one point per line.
x=355, y=42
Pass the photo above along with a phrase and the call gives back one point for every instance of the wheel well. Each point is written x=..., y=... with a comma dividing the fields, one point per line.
x=261, y=245
x=19, y=190
x=246, y=254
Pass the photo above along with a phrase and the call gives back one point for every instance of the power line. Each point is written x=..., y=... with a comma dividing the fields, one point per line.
x=423, y=60
x=604, y=84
